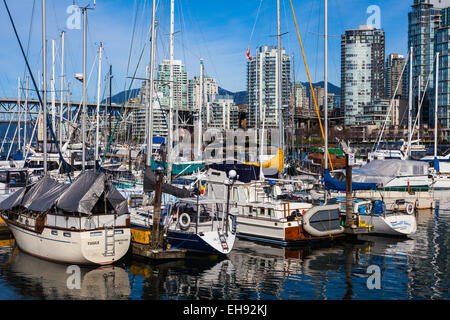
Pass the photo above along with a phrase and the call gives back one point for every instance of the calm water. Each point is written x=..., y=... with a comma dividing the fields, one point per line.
x=416, y=268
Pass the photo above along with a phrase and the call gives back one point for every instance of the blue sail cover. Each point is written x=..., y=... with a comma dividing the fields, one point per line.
x=436, y=164
x=332, y=184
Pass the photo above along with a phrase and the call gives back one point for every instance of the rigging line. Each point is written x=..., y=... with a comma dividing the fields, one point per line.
x=131, y=43
x=256, y=21
x=29, y=36
x=121, y=110
x=39, y=96
x=310, y=83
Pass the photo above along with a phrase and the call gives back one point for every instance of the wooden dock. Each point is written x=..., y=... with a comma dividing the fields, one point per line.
x=145, y=251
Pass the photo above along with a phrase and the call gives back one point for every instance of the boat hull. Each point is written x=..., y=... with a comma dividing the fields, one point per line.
x=393, y=225
x=71, y=247
x=205, y=242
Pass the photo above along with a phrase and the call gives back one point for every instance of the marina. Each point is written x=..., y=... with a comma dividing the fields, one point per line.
x=174, y=191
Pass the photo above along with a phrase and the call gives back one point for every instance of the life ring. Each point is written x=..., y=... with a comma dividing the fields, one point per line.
x=185, y=221
x=409, y=208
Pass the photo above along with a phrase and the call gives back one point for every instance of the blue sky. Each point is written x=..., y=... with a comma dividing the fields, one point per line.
x=217, y=31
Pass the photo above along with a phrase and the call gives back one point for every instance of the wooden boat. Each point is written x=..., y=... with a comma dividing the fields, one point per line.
x=86, y=222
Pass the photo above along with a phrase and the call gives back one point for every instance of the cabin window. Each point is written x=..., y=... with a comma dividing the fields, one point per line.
x=96, y=234
x=263, y=211
x=250, y=211
x=54, y=232
x=4, y=177
x=269, y=212
x=67, y=234
x=118, y=231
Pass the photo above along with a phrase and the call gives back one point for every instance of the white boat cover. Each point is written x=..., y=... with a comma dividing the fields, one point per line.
x=383, y=171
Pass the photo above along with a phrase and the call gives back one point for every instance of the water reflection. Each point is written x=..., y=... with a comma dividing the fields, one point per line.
x=34, y=278
x=411, y=268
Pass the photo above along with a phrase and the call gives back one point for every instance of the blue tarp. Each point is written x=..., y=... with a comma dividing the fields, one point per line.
x=332, y=184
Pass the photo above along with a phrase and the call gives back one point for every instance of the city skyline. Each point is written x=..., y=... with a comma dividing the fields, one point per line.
x=219, y=34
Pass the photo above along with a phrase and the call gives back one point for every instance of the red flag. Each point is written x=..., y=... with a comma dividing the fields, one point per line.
x=248, y=54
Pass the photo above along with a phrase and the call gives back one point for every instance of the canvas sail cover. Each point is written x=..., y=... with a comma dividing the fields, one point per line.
x=383, y=171
x=43, y=194
x=83, y=194
x=150, y=183
x=333, y=184
x=13, y=200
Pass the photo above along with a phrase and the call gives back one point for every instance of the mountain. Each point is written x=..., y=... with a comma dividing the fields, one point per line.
x=120, y=97
x=239, y=97
x=331, y=87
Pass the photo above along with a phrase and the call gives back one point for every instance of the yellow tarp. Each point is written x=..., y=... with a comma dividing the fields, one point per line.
x=276, y=162
x=140, y=236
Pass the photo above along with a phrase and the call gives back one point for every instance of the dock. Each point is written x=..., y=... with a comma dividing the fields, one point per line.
x=145, y=251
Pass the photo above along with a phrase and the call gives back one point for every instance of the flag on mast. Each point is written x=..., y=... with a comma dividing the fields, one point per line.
x=248, y=54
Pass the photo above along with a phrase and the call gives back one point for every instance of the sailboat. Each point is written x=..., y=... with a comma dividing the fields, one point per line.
x=84, y=222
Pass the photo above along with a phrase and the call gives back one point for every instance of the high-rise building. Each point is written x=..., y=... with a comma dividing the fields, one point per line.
x=423, y=21
x=442, y=45
x=301, y=99
x=210, y=90
x=395, y=64
x=224, y=113
x=362, y=70
x=180, y=78
x=262, y=86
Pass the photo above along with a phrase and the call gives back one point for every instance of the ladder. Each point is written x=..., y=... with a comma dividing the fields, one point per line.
x=110, y=241
x=223, y=241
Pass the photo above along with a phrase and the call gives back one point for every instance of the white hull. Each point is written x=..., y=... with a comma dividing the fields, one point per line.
x=85, y=247
x=395, y=224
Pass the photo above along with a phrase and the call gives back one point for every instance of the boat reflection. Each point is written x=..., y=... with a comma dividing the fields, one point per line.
x=40, y=279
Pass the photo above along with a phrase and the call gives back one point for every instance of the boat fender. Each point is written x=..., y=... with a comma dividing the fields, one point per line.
x=409, y=208
x=185, y=221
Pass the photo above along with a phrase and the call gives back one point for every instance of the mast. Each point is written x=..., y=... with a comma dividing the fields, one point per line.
x=44, y=107
x=83, y=115
x=410, y=102
x=53, y=87
x=19, y=110
x=151, y=84
x=26, y=118
x=418, y=114
x=97, y=118
x=279, y=96
x=63, y=33
x=436, y=105
x=83, y=118
x=200, y=107
x=171, y=86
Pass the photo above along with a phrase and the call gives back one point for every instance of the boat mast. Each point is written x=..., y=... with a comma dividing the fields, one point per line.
x=19, y=110
x=418, y=113
x=53, y=87
x=83, y=117
x=151, y=84
x=171, y=86
x=325, y=102
x=97, y=119
x=279, y=97
x=410, y=102
x=63, y=33
x=26, y=118
x=44, y=107
x=436, y=105
x=200, y=107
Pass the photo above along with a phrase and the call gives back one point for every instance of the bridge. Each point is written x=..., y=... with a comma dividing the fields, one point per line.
x=9, y=108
